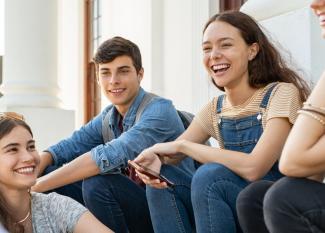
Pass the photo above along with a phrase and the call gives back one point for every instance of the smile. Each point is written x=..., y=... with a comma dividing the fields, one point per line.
x=26, y=170
x=220, y=68
x=117, y=90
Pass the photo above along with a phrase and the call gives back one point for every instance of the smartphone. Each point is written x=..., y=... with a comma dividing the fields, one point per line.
x=150, y=173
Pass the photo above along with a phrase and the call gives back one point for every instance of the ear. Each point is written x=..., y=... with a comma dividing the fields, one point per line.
x=140, y=75
x=253, y=51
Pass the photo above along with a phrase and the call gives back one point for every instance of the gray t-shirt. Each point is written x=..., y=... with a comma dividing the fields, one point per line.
x=54, y=213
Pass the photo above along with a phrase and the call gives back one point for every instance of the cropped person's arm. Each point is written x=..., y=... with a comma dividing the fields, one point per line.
x=303, y=154
x=89, y=224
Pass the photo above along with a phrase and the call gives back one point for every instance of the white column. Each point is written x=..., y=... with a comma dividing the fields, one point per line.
x=30, y=69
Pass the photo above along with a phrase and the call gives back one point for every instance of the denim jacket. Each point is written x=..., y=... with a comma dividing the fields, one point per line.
x=159, y=122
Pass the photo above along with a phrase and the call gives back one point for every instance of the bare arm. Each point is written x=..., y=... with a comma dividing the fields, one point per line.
x=303, y=154
x=89, y=224
x=193, y=133
x=251, y=166
x=78, y=169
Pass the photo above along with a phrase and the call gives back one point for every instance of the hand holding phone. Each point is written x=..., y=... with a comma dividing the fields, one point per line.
x=150, y=173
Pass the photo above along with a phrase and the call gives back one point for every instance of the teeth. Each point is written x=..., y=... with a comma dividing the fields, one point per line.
x=219, y=67
x=117, y=90
x=25, y=170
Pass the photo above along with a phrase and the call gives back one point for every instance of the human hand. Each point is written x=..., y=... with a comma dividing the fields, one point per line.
x=148, y=160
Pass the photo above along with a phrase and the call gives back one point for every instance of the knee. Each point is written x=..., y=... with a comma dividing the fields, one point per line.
x=205, y=176
x=252, y=197
x=278, y=198
x=253, y=192
x=95, y=186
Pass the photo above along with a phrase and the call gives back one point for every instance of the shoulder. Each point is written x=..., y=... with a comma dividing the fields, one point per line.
x=286, y=91
x=159, y=105
x=52, y=200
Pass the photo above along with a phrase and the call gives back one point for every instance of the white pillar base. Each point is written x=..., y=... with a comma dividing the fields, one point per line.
x=49, y=125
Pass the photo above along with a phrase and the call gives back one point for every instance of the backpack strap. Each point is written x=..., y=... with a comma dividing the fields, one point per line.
x=267, y=96
x=107, y=132
x=145, y=101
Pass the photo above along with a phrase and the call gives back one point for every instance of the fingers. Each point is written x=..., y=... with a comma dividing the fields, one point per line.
x=155, y=183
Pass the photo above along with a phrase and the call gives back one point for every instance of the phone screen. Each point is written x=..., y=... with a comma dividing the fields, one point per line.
x=150, y=173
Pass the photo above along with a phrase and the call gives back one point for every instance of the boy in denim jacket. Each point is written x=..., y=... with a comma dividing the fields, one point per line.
x=93, y=172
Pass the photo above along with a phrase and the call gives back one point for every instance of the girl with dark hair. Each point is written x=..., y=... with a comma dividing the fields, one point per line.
x=251, y=122
x=25, y=212
x=295, y=203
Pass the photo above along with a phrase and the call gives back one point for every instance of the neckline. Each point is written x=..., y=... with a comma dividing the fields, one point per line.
x=243, y=105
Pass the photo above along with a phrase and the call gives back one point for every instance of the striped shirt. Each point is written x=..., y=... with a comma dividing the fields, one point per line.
x=284, y=102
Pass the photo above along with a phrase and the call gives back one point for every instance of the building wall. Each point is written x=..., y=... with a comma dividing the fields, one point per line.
x=295, y=30
x=169, y=34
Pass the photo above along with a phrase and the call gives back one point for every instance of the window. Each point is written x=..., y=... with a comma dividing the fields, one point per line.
x=93, y=35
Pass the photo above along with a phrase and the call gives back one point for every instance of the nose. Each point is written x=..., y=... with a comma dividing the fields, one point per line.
x=215, y=54
x=114, y=79
x=27, y=156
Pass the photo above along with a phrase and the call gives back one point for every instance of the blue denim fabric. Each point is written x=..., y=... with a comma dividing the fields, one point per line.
x=214, y=187
x=159, y=122
x=118, y=202
x=110, y=196
x=171, y=208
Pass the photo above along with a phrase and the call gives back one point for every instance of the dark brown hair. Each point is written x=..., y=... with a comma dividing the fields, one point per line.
x=115, y=47
x=7, y=216
x=268, y=66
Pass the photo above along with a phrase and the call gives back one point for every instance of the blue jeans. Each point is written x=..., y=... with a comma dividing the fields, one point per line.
x=171, y=208
x=115, y=200
x=214, y=193
x=118, y=202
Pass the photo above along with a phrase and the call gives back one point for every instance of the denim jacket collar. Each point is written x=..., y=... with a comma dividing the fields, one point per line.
x=130, y=115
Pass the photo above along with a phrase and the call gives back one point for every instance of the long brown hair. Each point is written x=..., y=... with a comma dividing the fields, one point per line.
x=268, y=66
x=6, y=215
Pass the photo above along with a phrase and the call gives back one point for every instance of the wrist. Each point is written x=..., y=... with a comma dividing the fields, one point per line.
x=181, y=145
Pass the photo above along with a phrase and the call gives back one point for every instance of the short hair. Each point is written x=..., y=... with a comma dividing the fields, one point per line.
x=115, y=47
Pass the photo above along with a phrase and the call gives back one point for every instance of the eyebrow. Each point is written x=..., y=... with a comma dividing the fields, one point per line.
x=17, y=144
x=119, y=68
x=219, y=40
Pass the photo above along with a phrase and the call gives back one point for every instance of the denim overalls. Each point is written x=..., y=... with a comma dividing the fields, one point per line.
x=242, y=134
x=214, y=186
x=210, y=195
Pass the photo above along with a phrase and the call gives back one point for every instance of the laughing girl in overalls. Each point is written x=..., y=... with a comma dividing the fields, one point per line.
x=251, y=122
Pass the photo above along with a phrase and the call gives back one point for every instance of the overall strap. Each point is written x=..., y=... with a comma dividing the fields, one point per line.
x=267, y=96
x=219, y=103
x=145, y=101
